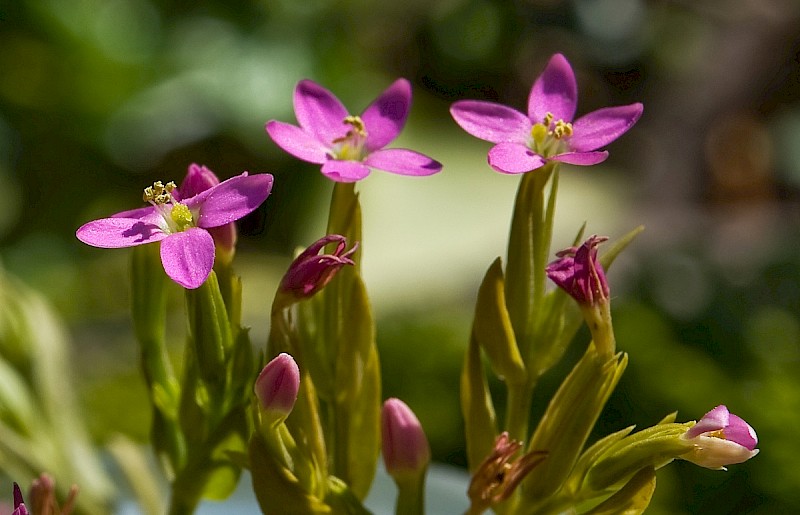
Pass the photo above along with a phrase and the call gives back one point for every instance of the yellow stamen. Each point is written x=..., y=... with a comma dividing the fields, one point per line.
x=358, y=125
x=562, y=129
x=159, y=193
x=548, y=119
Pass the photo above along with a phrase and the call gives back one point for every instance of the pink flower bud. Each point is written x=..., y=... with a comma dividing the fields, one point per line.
x=579, y=273
x=405, y=447
x=19, y=504
x=721, y=438
x=277, y=386
x=310, y=272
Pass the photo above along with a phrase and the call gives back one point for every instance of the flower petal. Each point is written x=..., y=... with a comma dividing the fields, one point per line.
x=514, y=158
x=490, y=121
x=741, y=432
x=319, y=112
x=297, y=142
x=113, y=233
x=714, y=420
x=230, y=200
x=581, y=158
x=198, y=178
x=386, y=116
x=403, y=162
x=344, y=171
x=601, y=127
x=555, y=91
x=188, y=257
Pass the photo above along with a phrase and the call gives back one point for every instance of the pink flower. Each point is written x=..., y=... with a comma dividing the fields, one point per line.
x=277, y=385
x=524, y=143
x=721, y=438
x=181, y=224
x=579, y=273
x=405, y=447
x=310, y=272
x=348, y=146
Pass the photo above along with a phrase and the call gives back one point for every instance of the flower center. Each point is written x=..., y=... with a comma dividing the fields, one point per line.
x=350, y=147
x=549, y=137
x=177, y=217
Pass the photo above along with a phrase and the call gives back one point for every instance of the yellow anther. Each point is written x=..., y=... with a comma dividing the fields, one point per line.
x=562, y=129
x=158, y=193
x=548, y=119
x=181, y=215
x=358, y=125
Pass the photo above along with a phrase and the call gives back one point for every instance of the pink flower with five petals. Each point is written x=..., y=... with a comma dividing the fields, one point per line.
x=181, y=225
x=548, y=132
x=348, y=146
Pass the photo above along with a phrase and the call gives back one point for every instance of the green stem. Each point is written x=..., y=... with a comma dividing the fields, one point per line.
x=410, y=494
x=518, y=409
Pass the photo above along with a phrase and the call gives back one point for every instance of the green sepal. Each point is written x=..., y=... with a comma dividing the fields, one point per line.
x=633, y=498
x=342, y=500
x=277, y=489
x=652, y=447
x=588, y=458
x=492, y=327
x=528, y=247
x=358, y=394
x=569, y=419
x=619, y=245
x=304, y=426
x=344, y=217
x=480, y=421
x=210, y=332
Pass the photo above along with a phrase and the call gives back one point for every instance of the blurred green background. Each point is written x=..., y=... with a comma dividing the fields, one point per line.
x=99, y=98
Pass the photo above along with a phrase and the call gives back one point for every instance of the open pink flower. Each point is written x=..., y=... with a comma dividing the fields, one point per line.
x=524, y=143
x=721, y=438
x=181, y=224
x=348, y=146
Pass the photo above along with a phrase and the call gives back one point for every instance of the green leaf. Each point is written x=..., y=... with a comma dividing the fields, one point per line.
x=633, y=498
x=492, y=327
x=480, y=422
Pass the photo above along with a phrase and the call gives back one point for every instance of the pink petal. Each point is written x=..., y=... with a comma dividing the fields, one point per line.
x=599, y=128
x=740, y=432
x=319, y=112
x=714, y=420
x=344, y=171
x=491, y=122
x=555, y=91
x=230, y=200
x=514, y=158
x=188, y=256
x=403, y=162
x=297, y=142
x=386, y=116
x=112, y=233
x=581, y=158
x=198, y=178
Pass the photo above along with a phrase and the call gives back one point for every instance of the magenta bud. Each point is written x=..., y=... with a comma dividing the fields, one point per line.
x=405, y=447
x=277, y=386
x=579, y=273
x=310, y=271
x=19, y=503
x=721, y=438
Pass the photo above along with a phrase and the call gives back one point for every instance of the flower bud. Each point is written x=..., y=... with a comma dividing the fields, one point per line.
x=405, y=447
x=19, y=504
x=277, y=386
x=310, y=272
x=579, y=273
x=720, y=438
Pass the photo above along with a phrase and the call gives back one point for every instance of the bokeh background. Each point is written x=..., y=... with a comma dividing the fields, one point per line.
x=99, y=98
